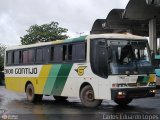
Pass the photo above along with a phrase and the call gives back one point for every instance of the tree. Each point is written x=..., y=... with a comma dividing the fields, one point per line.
x=2, y=52
x=44, y=33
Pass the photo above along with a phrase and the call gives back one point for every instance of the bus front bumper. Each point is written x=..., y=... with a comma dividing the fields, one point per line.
x=125, y=93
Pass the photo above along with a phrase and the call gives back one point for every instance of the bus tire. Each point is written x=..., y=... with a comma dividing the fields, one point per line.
x=31, y=96
x=60, y=98
x=123, y=102
x=87, y=97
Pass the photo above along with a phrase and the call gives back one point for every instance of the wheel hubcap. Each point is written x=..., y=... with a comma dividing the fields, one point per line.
x=90, y=95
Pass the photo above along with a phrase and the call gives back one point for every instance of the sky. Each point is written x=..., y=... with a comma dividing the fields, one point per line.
x=78, y=16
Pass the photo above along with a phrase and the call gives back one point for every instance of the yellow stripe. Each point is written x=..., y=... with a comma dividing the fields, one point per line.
x=152, y=78
x=18, y=83
x=42, y=78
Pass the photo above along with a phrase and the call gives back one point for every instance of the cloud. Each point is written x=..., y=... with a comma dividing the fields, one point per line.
x=16, y=16
x=8, y=34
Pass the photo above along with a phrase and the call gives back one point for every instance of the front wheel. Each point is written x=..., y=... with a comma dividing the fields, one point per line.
x=31, y=96
x=87, y=97
x=123, y=102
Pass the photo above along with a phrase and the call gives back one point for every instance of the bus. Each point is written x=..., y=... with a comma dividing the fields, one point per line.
x=94, y=67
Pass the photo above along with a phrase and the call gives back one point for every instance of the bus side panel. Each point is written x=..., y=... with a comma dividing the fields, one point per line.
x=74, y=81
x=101, y=86
x=57, y=79
x=13, y=83
x=80, y=73
x=42, y=79
x=17, y=82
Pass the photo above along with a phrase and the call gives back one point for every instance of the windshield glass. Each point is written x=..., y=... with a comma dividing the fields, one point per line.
x=129, y=57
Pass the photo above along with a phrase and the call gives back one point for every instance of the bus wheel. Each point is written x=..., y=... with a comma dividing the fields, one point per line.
x=31, y=96
x=60, y=98
x=123, y=102
x=87, y=97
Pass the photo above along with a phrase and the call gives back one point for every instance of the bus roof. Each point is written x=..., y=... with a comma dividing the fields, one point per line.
x=81, y=38
x=118, y=36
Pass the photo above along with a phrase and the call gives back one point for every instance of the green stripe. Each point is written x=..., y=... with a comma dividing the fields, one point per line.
x=51, y=79
x=143, y=79
x=81, y=38
x=61, y=79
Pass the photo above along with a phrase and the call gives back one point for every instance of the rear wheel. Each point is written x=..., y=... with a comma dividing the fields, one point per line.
x=60, y=98
x=123, y=102
x=31, y=96
x=87, y=97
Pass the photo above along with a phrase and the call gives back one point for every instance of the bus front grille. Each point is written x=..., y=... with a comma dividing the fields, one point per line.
x=136, y=84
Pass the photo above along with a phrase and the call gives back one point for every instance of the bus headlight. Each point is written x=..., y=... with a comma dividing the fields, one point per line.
x=152, y=84
x=121, y=94
x=152, y=91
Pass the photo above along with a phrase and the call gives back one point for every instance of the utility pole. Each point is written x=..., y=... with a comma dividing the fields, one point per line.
x=153, y=35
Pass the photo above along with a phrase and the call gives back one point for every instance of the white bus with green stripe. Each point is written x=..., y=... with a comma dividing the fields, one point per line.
x=94, y=67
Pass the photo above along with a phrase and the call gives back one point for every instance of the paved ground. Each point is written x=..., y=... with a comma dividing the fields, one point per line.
x=15, y=106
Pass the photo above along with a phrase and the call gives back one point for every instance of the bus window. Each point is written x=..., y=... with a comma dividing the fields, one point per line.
x=99, y=58
x=46, y=54
x=58, y=53
x=25, y=57
x=31, y=55
x=52, y=54
x=79, y=52
x=9, y=58
x=64, y=52
x=70, y=52
x=39, y=55
x=17, y=57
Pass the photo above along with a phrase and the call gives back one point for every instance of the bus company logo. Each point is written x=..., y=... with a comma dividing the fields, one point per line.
x=80, y=70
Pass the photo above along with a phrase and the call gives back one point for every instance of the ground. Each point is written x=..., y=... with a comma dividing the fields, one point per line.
x=16, y=106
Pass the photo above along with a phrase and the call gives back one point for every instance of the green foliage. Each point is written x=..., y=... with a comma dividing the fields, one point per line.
x=2, y=52
x=44, y=33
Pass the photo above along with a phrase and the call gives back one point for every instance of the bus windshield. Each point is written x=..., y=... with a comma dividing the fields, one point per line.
x=129, y=57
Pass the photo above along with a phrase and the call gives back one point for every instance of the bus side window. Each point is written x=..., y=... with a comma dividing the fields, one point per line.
x=25, y=57
x=39, y=55
x=9, y=58
x=70, y=52
x=58, y=51
x=52, y=52
x=65, y=53
x=31, y=55
x=45, y=54
x=79, y=52
x=17, y=57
